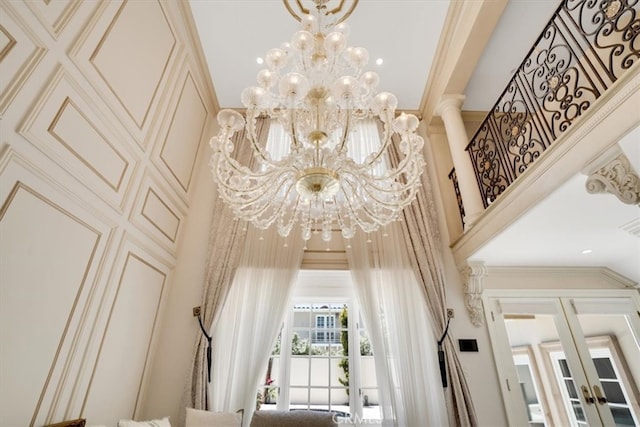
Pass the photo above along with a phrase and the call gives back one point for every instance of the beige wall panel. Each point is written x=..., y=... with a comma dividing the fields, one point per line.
x=53, y=15
x=118, y=377
x=46, y=254
x=68, y=374
x=133, y=55
x=64, y=126
x=160, y=215
x=20, y=52
x=185, y=133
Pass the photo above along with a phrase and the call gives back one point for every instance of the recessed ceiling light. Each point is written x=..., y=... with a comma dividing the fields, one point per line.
x=379, y=61
x=259, y=60
x=587, y=251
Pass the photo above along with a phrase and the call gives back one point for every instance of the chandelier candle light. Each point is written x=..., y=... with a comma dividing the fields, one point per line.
x=316, y=89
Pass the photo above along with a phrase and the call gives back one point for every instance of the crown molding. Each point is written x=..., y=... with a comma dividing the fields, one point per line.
x=607, y=275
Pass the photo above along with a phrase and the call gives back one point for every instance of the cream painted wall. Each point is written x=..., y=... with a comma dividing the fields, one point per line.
x=178, y=329
x=479, y=367
x=105, y=114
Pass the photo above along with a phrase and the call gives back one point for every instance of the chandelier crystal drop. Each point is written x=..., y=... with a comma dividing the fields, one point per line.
x=316, y=88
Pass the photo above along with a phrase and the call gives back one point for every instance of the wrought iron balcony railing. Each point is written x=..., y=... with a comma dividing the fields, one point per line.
x=586, y=46
x=454, y=179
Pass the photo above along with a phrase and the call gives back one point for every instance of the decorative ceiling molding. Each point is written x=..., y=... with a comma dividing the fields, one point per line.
x=617, y=177
x=632, y=227
x=548, y=277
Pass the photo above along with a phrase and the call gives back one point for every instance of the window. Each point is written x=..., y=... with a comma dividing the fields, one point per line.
x=528, y=378
x=324, y=321
x=314, y=367
x=569, y=389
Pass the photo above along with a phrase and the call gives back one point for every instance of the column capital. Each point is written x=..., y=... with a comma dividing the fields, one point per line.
x=449, y=101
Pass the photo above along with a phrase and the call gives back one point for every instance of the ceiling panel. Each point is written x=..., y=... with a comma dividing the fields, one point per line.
x=404, y=33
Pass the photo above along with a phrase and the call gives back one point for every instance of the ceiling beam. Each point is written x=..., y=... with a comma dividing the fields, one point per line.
x=466, y=33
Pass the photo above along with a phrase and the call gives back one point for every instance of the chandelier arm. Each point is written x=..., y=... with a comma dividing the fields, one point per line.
x=362, y=170
x=292, y=12
x=410, y=158
x=345, y=133
x=347, y=13
x=384, y=143
x=359, y=220
x=390, y=176
x=354, y=216
x=259, y=189
x=269, y=220
x=294, y=137
x=400, y=168
x=257, y=213
x=253, y=137
x=372, y=195
x=242, y=169
x=291, y=221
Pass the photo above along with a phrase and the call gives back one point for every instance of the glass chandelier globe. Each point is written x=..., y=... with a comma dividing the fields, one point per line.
x=317, y=89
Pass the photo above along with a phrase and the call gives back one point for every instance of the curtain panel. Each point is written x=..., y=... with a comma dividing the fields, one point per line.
x=226, y=244
x=401, y=334
x=422, y=237
x=252, y=317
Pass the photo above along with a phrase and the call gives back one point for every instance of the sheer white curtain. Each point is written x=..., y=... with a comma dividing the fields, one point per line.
x=226, y=242
x=396, y=315
x=251, y=318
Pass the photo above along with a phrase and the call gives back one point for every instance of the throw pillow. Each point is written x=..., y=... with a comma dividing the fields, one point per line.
x=199, y=418
x=164, y=422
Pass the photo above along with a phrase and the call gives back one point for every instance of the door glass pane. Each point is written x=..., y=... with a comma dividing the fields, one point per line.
x=538, y=332
x=577, y=409
x=604, y=368
x=614, y=393
x=564, y=368
x=614, y=351
x=319, y=372
x=571, y=389
x=570, y=392
x=622, y=417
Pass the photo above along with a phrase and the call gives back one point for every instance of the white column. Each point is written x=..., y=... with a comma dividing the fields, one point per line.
x=449, y=110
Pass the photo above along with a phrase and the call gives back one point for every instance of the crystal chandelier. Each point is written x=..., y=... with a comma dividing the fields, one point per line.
x=315, y=87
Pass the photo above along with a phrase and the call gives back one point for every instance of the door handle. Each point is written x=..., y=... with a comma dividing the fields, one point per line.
x=599, y=396
x=587, y=395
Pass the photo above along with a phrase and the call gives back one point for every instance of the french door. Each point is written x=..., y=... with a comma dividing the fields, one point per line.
x=567, y=359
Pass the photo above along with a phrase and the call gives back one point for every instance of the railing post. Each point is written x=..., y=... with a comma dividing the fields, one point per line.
x=449, y=109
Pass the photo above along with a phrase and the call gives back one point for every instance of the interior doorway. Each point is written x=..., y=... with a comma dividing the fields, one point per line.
x=568, y=359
